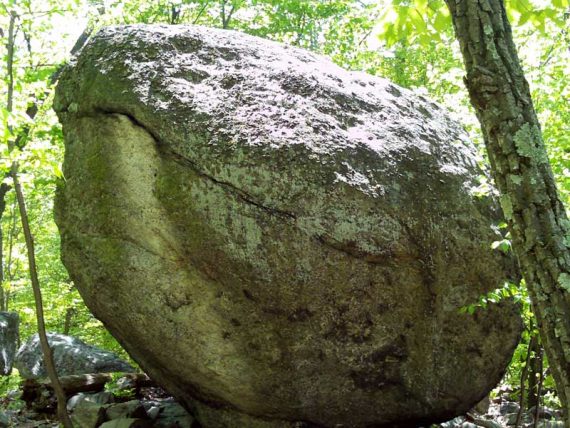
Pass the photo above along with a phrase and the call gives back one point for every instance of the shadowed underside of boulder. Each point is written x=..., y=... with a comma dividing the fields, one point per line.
x=275, y=239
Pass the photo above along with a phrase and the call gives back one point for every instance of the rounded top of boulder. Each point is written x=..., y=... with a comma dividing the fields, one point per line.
x=212, y=83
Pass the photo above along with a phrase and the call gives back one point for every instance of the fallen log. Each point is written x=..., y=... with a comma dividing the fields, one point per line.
x=39, y=394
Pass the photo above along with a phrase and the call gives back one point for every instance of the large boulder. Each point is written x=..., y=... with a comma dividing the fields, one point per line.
x=71, y=357
x=9, y=340
x=275, y=239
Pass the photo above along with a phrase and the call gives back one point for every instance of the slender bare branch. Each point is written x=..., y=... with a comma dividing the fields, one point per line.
x=46, y=350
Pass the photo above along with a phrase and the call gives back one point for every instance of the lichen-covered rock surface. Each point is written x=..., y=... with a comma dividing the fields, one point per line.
x=275, y=239
x=9, y=338
x=71, y=357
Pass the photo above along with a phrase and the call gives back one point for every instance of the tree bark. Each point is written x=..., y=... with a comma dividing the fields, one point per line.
x=536, y=217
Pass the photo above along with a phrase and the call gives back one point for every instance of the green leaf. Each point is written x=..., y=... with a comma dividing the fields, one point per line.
x=442, y=21
x=503, y=245
x=418, y=22
x=561, y=4
x=524, y=17
x=57, y=171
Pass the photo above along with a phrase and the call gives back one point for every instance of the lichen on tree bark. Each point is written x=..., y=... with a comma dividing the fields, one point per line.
x=537, y=219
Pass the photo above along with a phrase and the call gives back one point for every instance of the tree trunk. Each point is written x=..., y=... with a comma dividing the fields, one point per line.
x=539, y=387
x=534, y=375
x=46, y=350
x=12, y=237
x=519, y=164
x=524, y=375
x=3, y=190
x=69, y=313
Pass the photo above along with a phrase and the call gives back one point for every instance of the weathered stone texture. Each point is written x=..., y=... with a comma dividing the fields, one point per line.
x=71, y=357
x=274, y=236
x=9, y=338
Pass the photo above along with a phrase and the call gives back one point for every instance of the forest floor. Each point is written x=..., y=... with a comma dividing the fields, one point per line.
x=153, y=407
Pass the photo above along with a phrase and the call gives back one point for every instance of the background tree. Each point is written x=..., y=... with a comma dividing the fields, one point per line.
x=535, y=214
